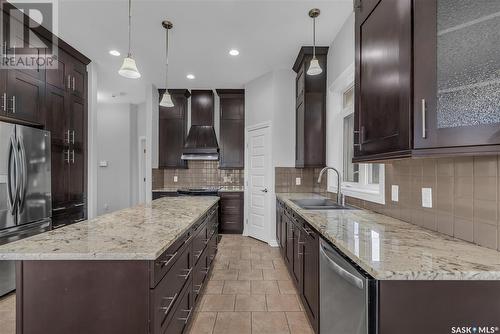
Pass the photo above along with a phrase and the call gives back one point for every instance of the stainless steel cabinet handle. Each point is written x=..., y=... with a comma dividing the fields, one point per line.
x=73, y=83
x=78, y=205
x=13, y=108
x=357, y=282
x=197, y=254
x=167, y=308
x=197, y=288
x=66, y=136
x=186, y=319
x=424, y=131
x=78, y=220
x=170, y=258
x=59, y=209
x=69, y=81
x=188, y=273
x=66, y=156
x=4, y=102
x=73, y=157
x=72, y=137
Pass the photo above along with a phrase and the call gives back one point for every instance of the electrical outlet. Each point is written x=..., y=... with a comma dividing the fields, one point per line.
x=395, y=193
x=176, y=179
x=298, y=181
x=103, y=163
x=427, y=197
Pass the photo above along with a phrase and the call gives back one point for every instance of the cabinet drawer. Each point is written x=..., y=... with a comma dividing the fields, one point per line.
x=168, y=291
x=200, y=241
x=231, y=224
x=165, y=261
x=200, y=274
x=212, y=248
x=183, y=312
x=232, y=207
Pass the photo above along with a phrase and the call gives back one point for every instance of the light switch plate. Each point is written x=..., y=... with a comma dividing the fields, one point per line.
x=298, y=181
x=176, y=179
x=395, y=193
x=427, y=197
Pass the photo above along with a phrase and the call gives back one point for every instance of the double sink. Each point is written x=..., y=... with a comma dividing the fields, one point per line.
x=320, y=204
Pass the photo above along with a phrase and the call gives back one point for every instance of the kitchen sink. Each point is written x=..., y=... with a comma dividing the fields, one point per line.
x=320, y=204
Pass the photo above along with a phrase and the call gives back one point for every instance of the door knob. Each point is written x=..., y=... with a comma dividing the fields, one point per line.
x=264, y=190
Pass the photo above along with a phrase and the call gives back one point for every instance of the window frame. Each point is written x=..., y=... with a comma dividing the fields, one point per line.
x=335, y=154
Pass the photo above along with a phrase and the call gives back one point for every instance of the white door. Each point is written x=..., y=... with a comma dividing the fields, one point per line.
x=259, y=164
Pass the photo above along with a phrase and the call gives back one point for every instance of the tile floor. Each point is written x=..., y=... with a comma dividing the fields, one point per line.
x=249, y=292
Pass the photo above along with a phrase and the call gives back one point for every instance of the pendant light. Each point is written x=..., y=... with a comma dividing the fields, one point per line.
x=166, y=100
x=129, y=68
x=314, y=68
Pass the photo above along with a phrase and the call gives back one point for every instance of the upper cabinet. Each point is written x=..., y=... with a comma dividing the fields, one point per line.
x=426, y=79
x=310, y=138
x=232, y=128
x=173, y=129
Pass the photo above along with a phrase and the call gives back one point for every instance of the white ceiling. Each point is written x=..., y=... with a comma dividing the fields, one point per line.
x=267, y=33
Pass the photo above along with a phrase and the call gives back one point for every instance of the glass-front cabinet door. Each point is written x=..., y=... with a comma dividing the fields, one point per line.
x=456, y=73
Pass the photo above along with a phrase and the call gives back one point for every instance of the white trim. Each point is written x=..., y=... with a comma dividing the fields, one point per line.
x=142, y=144
x=273, y=243
x=335, y=124
x=92, y=144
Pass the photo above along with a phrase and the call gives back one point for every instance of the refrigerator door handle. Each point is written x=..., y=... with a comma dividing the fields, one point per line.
x=24, y=174
x=13, y=198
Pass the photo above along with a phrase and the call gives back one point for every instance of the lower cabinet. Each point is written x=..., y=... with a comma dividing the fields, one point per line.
x=180, y=275
x=299, y=246
x=231, y=212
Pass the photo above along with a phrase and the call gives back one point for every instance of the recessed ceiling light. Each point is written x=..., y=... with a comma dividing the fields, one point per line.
x=190, y=76
x=234, y=52
x=114, y=53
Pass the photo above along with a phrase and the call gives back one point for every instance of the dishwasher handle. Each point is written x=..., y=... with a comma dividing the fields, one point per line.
x=353, y=280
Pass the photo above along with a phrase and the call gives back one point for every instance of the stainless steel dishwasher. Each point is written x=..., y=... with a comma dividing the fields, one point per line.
x=347, y=295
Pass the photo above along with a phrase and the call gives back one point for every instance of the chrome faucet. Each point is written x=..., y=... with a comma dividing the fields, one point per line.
x=340, y=196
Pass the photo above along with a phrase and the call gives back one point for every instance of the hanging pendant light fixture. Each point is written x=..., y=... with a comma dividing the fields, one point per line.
x=314, y=68
x=166, y=100
x=129, y=67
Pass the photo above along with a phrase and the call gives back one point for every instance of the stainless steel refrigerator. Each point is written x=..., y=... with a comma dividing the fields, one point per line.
x=25, y=189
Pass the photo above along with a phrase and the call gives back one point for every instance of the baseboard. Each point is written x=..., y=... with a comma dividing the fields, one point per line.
x=273, y=243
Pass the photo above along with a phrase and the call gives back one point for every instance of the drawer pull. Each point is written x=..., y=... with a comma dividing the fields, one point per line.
x=170, y=258
x=198, y=288
x=205, y=271
x=197, y=254
x=167, y=308
x=188, y=273
x=59, y=209
x=78, y=220
x=186, y=319
x=78, y=205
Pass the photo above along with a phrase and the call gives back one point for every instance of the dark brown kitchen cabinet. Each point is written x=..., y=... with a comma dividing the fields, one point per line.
x=172, y=129
x=232, y=128
x=417, y=93
x=300, y=249
x=310, y=142
x=231, y=212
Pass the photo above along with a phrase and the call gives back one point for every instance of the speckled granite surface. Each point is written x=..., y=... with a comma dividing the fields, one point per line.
x=138, y=233
x=222, y=189
x=390, y=249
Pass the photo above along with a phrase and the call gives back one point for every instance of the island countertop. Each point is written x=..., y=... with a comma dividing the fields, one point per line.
x=142, y=232
x=390, y=249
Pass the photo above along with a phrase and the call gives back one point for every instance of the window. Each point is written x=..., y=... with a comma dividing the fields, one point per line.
x=364, y=181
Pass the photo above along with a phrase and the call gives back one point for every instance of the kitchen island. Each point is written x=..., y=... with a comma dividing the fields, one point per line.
x=138, y=270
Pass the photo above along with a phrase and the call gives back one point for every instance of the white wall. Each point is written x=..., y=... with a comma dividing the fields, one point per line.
x=271, y=98
x=341, y=52
x=92, y=70
x=115, y=132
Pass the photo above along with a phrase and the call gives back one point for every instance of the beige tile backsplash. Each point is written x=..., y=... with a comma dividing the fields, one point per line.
x=198, y=174
x=465, y=195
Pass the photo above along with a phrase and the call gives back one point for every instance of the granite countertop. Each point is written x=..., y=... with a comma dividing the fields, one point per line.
x=221, y=189
x=137, y=233
x=390, y=249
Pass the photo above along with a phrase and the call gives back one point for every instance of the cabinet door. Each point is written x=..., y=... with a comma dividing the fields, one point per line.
x=57, y=122
x=78, y=148
x=24, y=96
x=383, y=34
x=289, y=244
x=172, y=133
x=232, y=143
x=298, y=252
x=456, y=77
x=59, y=77
x=310, y=276
x=77, y=76
x=278, y=223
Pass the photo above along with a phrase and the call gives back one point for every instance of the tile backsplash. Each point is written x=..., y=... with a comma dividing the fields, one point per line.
x=465, y=195
x=198, y=174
